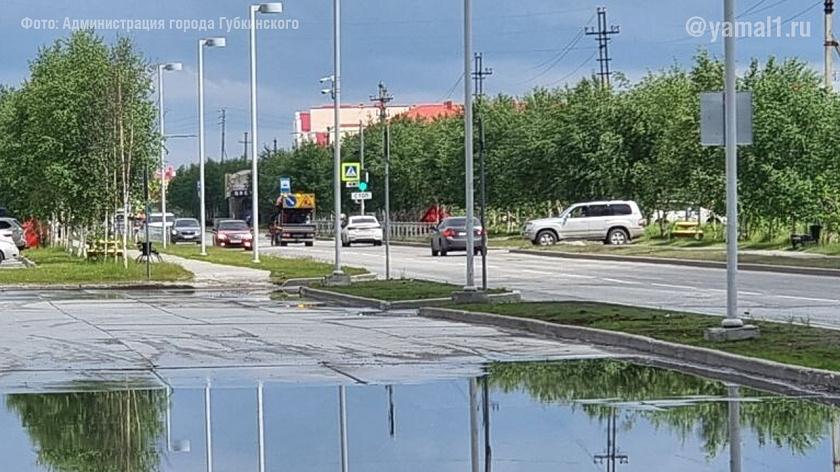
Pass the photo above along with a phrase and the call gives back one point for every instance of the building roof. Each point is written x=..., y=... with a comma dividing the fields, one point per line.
x=432, y=112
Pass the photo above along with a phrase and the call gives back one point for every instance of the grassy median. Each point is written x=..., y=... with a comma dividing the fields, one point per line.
x=281, y=268
x=55, y=266
x=399, y=290
x=789, y=343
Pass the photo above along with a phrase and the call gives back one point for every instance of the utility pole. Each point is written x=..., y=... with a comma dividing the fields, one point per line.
x=830, y=45
x=382, y=101
x=275, y=146
x=469, y=143
x=603, y=34
x=612, y=456
x=223, y=119
x=480, y=73
x=245, y=143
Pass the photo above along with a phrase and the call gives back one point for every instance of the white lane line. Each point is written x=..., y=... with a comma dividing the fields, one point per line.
x=621, y=282
x=678, y=287
x=807, y=299
x=536, y=272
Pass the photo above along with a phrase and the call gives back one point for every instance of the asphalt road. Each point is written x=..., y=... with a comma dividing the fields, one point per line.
x=783, y=297
x=54, y=340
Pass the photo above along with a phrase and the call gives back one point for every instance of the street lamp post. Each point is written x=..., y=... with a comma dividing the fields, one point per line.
x=265, y=8
x=338, y=274
x=468, y=146
x=209, y=42
x=172, y=66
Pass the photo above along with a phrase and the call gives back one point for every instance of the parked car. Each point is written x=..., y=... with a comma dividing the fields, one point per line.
x=451, y=235
x=361, y=229
x=157, y=225
x=13, y=225
x=613, y=222
x=185, y=230
x=8, y=251
x=233, y=233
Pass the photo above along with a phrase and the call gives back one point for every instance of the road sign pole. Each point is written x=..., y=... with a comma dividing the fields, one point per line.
x=387, y=201
x=362, y=155
x=338, y=273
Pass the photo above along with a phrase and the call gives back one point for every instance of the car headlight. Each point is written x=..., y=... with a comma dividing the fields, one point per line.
x=173, y=233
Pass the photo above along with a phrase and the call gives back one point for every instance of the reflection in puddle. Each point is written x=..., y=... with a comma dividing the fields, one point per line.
x=581, y=415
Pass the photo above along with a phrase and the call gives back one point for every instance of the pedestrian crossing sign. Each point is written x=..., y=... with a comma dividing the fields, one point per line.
x=351, y=172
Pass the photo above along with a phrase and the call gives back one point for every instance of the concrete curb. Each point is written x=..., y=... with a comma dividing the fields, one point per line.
x=293, y=283
x=361, y=302
x=674, y=352
x=683, y=262
x=76, y=287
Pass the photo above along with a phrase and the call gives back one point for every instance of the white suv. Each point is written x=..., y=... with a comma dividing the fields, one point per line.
x=614, y=222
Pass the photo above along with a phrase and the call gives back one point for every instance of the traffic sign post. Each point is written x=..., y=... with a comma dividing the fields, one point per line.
x=352, y=184
x=285, y=185
x=351, y=172
x=361, y=196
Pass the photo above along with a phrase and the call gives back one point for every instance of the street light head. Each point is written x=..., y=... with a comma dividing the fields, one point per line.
x=326, y=91
x=328, y=78
x=173, y=66
x=219, y=42
x=274, y=7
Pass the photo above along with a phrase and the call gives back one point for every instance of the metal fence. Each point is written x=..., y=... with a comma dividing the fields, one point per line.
x=400, y=230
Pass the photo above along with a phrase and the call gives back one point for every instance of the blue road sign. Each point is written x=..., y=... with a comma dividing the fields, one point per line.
x=285, y=185
x=290, y=201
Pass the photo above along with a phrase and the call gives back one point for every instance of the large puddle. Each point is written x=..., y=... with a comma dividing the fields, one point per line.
x=591, y=415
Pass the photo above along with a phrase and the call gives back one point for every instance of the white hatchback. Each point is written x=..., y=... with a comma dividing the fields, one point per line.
x=8, y=251
x=613, y=222
x=361, y=229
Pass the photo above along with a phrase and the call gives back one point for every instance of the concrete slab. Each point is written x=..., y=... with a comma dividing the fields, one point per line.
x=191, y=337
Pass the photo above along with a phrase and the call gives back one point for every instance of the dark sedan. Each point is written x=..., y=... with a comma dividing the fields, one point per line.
x=185, y=230
x=451, y=235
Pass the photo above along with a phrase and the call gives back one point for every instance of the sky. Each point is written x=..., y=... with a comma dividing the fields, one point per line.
x=415, y=48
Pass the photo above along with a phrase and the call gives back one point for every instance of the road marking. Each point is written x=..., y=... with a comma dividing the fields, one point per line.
x=807, y=299
x=621, y=282
x=536, y=272
x=678, y=287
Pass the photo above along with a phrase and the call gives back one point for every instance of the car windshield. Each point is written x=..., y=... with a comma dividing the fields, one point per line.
x=459, y=223
x=364, y=221
x=190, y=223
x=233, y=226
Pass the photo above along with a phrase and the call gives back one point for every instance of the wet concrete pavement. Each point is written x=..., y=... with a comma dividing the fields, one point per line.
x=58, y=338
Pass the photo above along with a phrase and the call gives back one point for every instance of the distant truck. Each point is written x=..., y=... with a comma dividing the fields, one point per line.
x=292, y=221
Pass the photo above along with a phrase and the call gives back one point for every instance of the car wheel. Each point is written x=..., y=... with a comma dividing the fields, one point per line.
x=2, y=257
x=309, y=244
x=377, y=243
x=443, y=252
x=618, y=237
x=546, y=237
x=283, y=244
x=435, y=253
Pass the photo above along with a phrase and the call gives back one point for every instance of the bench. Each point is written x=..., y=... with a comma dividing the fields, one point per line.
x=687, y=229
x=101, y=248
x=813, y=237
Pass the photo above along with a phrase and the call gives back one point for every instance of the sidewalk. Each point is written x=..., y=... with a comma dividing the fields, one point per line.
x=207, y=273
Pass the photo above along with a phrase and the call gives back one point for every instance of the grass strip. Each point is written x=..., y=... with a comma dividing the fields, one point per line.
x=399, y=290
x=793, y=343
x=281, y=268
x=55, y=266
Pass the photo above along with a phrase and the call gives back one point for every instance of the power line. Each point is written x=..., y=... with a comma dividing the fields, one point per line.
x=558, y=59
x=570, y=74
x=768, y=7
x=803, y=12
x=452, y=89
x=752, y=8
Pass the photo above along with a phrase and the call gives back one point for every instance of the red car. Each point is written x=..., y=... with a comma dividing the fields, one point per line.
x=233, y=233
